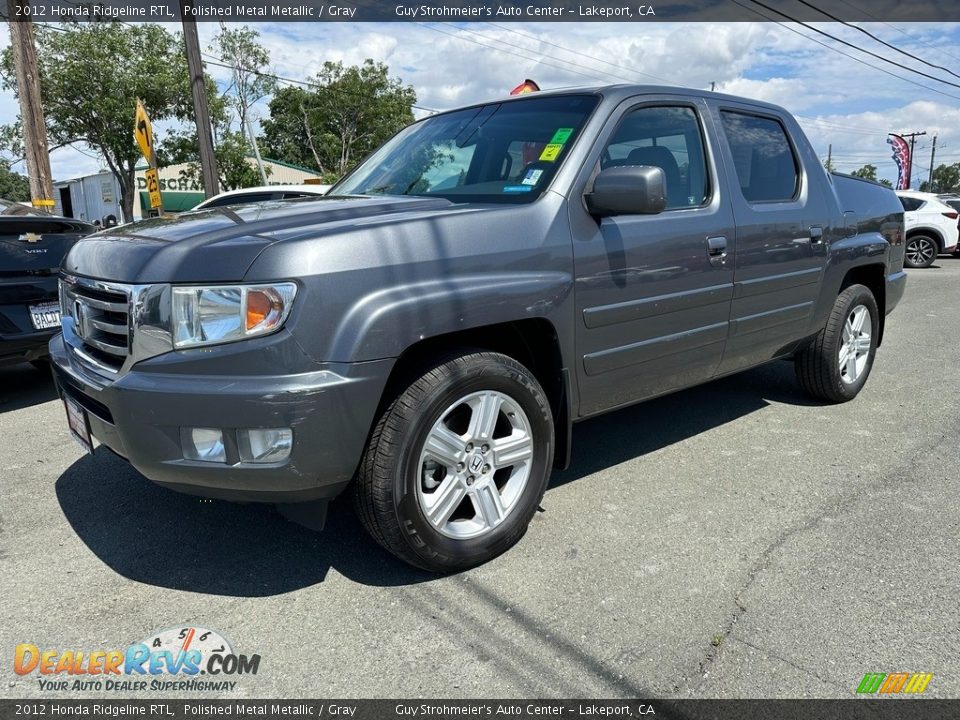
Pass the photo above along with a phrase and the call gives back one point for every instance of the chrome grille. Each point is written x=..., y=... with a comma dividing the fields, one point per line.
x=99, y=314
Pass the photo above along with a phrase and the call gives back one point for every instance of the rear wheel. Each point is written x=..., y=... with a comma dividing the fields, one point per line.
x=921, y=251
x=836, y=364
x=458, y=463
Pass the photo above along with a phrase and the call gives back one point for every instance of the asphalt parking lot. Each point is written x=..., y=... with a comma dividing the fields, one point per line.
x=734, y=540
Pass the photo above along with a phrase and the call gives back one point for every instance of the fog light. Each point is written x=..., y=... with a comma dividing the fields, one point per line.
x=204, y=444
x=265, y=445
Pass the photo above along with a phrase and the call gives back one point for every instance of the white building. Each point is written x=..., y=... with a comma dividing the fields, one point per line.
x=94, y=197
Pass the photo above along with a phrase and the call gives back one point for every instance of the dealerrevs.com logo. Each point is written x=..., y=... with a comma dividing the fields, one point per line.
x=894, y=683
x=188, y=659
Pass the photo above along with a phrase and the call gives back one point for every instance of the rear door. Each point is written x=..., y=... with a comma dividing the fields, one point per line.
x=652, y=293
x=784, y=226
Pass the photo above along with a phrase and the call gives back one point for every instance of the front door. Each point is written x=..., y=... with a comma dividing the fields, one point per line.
x=653, y=291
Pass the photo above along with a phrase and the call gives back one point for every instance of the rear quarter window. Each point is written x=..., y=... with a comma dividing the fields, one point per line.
x=910, y=203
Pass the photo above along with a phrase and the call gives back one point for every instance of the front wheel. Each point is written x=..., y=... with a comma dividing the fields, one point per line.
x=921, y=251
x=458, y=463
x=835, y=365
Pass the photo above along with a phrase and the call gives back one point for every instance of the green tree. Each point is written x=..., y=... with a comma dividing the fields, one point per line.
x=229, y=113
x=13, y=185
x=232, y=151
x=346, y=114
x=946, y=178
x=91, y=75
x=886, y=183
x=248, y=62
x=829, y=165
x=867, y=172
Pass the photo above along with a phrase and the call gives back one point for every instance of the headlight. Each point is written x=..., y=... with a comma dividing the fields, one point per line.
x=226, y=313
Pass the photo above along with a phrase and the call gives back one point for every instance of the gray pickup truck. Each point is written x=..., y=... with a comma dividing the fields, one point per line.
x=428, y=332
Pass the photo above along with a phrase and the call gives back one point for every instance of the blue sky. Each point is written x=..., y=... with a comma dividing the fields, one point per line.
x=838, y=100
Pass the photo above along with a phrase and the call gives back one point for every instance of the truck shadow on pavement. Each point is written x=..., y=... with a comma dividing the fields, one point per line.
x=163, y=538
x=23, y=386
x=634, y=431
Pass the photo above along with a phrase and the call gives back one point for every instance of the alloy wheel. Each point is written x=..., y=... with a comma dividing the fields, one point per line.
x=474, y=464
x=855, y=344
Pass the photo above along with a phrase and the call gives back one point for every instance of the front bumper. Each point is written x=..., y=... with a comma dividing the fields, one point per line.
x=24, y=347
x=330, y=408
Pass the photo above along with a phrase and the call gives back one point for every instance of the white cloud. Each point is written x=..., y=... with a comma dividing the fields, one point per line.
x=853, y=106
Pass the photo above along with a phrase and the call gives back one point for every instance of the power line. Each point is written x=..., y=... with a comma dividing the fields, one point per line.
x=880, y=40
x=839, y=129
x=581, y=54
x=845, y=54
x=854, y=46
x=899, y=30
x=593, y=76
x=218, y=62
x=831, y=123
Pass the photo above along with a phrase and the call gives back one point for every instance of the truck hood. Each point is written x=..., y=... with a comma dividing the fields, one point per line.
x=220, y=244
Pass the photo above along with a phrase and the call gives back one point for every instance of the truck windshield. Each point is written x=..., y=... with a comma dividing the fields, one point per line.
x=503, y=152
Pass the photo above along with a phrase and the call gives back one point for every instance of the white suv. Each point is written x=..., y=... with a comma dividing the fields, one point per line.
x=931, y=227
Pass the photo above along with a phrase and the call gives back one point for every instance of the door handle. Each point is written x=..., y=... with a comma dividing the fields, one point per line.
x=716, y=246
x=816, y=234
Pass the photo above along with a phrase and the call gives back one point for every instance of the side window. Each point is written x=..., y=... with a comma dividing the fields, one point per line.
x=910, y=203
x=669, y=138
x=762, y=156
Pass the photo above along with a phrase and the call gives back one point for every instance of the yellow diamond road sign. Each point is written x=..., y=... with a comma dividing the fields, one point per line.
x=143, y=132
x=153, y=188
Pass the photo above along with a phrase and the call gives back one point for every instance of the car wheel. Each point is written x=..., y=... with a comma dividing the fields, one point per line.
x=836, y=364
x=458, y=463
x=921, y=251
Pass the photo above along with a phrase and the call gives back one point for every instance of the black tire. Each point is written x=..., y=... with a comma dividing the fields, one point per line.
x=387, y=490
x=42, y=364
x=818, y=365
x=921, y=251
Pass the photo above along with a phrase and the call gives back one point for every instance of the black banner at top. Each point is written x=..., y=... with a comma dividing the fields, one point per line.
x=248, y=11
x=485, y=709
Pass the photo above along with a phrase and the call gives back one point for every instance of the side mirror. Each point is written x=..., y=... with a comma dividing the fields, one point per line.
x=628, y=190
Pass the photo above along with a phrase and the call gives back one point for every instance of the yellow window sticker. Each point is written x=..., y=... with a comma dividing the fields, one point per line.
x=551, y=151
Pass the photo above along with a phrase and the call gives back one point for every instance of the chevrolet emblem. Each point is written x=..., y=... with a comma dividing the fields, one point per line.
x=31, y=237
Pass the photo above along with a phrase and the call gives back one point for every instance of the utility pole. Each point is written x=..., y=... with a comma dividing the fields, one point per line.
x=830, y=157
x=933, y=154
x=208, y=161
x=37, y=149
x=913, y=138
x=256, y=152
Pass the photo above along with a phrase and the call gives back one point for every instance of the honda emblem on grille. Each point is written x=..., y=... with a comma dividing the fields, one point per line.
x=79, y=318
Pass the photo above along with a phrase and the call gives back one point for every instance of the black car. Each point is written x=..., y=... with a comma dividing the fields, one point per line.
x=32, y=245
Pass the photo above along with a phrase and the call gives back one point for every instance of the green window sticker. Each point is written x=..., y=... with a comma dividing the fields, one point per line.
x=561, y=136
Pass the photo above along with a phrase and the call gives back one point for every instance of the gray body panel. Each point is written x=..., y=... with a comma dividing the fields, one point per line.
x=638, y=306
